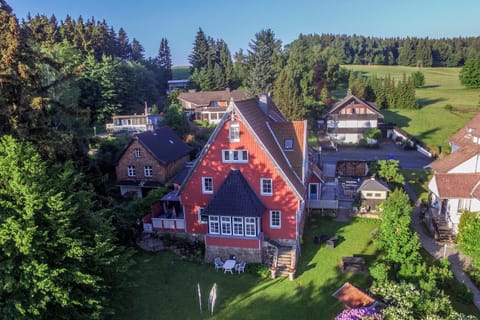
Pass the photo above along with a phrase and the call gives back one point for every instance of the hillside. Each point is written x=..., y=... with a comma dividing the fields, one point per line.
x=433, y=123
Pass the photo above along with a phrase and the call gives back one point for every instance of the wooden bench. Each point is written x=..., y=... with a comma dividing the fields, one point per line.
x=353, y=264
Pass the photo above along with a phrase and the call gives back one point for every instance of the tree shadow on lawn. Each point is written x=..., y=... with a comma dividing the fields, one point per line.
x=426, y=134
x=394, y=117
x=423, y=102
x=296, y=300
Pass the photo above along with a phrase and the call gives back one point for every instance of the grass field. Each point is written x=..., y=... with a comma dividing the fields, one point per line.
x=167, y=286
x=180, y=72
x=432, y=123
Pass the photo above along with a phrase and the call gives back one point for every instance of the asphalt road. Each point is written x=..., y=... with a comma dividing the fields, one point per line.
x=409, y=159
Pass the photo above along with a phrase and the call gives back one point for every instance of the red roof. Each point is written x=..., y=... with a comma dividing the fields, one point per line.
x=458, y=185
x=352, y=297
x=444, y=165
x=465, y=135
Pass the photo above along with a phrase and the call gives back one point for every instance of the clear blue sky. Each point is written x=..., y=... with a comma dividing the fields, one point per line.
x=236, y=22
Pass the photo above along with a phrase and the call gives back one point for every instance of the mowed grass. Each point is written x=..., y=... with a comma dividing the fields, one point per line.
x=433, y=124
x=418, y=180
x=166, y=286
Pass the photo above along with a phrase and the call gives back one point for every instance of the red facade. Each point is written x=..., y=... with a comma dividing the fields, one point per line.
x=258, y=166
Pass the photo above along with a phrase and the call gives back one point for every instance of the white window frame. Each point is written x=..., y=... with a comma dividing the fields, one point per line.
x=226, y=225
x=262, y=190
x=275, y=221
x=237, y=222
x=234, y=132
x=250, y=222
x=207, y=188
x=228, y=156
x=148, y=171
x=288, y=144
x=138, y=152
x=213, y=222
x=131, y=171
x=200, y=214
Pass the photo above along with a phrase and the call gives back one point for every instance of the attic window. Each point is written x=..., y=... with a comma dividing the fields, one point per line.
x=288, y=144
x=234, y=132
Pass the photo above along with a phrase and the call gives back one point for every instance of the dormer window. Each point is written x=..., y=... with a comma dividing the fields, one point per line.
x=288, y=144
x=234, y=133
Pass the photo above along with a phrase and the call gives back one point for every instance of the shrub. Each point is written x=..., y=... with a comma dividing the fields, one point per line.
x=259, y=269
x=462, y=293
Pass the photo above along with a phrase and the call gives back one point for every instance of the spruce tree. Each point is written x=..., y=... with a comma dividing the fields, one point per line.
x=265, y=61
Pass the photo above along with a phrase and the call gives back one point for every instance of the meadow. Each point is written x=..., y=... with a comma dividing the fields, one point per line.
x=435, y=121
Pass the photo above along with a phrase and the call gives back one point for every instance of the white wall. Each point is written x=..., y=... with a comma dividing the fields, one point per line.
x=472, y=165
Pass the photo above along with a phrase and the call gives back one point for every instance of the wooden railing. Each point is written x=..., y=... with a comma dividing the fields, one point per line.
x=168, y=224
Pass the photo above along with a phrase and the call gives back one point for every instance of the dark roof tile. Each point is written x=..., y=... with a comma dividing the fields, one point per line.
x=235, y=197
x=164, y=144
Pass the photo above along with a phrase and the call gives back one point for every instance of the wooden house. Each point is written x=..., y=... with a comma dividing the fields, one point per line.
x=350, y=118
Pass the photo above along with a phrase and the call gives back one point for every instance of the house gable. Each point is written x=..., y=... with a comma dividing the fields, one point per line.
x=259, y=166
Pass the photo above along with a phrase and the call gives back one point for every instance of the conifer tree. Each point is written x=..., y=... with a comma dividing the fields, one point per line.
x=265, y=61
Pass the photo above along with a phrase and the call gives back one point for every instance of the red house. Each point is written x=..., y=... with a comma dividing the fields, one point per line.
x=246, y=194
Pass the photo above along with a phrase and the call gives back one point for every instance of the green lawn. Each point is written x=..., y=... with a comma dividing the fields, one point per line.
x=167, y=286
x=180, y=72
x=418, y=179
x=432, y=123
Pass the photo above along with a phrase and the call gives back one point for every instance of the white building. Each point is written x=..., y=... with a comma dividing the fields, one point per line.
x=455, y=187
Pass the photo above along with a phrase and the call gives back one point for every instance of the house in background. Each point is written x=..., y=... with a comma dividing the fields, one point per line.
x=372, y=192
x=150, y=160
x=134, y=123
x=246, y=194
x=209, y=106
x=350, y=118
x=455, y=186
x=177, y=84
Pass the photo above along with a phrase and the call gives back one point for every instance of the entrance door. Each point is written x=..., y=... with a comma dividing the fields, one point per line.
x=313, y=191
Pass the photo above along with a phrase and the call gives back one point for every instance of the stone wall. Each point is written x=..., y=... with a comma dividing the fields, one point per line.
x=247, y=254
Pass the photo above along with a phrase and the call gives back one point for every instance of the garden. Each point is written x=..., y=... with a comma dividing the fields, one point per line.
x=166, y=285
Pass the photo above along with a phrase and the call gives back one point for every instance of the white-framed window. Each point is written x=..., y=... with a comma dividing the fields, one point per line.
x=148, y=171
x=226, y=224
x=138, y=153
x=250, y=227
x=275, y=219
x=235, y=156
x=237, y=226
x=234, y=132
x=213, y=225
x=288, y=144
x=131, y=171
x=266, y=187
x=202, y=218
x=207, y=184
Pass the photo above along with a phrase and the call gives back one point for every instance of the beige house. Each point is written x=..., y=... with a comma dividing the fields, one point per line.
x=209, y=106
x=372, y=192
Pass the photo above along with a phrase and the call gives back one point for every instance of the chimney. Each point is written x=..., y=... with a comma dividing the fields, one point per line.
x=349, y=92
x=262, y=102
x=146, y=109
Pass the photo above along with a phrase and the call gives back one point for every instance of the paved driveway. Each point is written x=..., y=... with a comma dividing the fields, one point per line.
x=409, y=159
